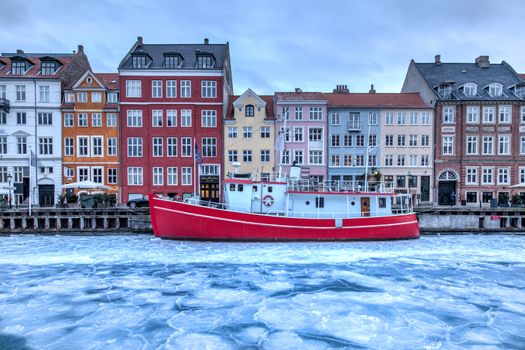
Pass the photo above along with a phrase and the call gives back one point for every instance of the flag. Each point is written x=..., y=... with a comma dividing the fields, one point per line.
x=198, y=157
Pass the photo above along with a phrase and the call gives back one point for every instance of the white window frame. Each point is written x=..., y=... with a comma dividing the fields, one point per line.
x=133, y=88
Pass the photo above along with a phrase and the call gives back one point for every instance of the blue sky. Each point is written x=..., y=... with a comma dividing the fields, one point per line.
x=279, y=45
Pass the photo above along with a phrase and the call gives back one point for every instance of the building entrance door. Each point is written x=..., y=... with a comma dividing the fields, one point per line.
x=210, y=188
x=425, y=188
x=365, y=206
x=46, y=195
x=447, y=193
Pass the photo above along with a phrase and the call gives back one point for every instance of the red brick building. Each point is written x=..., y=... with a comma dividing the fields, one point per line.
x=173, y=100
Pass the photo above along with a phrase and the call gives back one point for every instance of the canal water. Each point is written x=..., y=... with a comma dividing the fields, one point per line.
x=139, y=292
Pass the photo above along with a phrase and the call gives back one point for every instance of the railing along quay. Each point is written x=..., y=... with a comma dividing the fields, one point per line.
x=75, y=220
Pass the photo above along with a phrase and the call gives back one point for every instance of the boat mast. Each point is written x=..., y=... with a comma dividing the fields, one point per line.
x=282, y=145
x=367, y=143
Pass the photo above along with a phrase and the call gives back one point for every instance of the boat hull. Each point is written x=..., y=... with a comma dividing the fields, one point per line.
x=177, y=220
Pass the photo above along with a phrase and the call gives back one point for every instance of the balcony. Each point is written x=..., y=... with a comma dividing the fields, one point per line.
x=4, y=105
x=354, y=125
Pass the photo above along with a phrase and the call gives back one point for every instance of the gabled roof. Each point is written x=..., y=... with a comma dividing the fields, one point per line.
x=188, y=52
x=266, y=98
x=110, y=80
x=299, y=96
x=436, y=74
x=375, y=100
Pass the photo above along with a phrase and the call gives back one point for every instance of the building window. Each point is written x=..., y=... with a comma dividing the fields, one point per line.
x=522, y=175
x=82, y=119
x=412, y=140
x=335, y=140
x=389, y=140
x=171, y=146
x=488, y=145
x=209, y=147
x=186, y=175
x=488, y=115
x=425, y=118
x=156, y=118
x=316, y=113
x=45, y=119
x=96, y=119
x=425, y=140
x=205, y=62
x=69, y=146
x=112, y=97
x=472, y=114
x=334, y=160
x=389, y=160
x=185, y=88
x=401, y=118
x=186, y=146
x=171, y=118
x=111, y=119
x=315, y=157
x=112, y=176
x=448, y=145
x=158, y=147
x=401, y=140
x=401, y=181
x=232, y=132
x=449, y=115
x=472, y=176
x=112, y=146
x=82, y=97
x=389, y=118
x=134, y=119
x=133, y=88
x=348, y=141
x=285, y=113
x=412, y=120
x=20, y=93
x=504, y=144
x=412, y=160
x=425, y=160
x=470, y=89
x=472, y=144
x=209, y=119
x=83, y=146
x=3, y=144
x=232, y=156
x=522, y=145
x=83, y=174
x=472, y=197
x=171, y=61
x=285, y=156
x=505, y=114
x=48, y=68
x=45, y=145
x=171, y=89
x=265, y=132
x=43, y=93
x=298, y=134
x=18, y=67
x=138, y=61
x=135, y=177
x=335, y=119
x=372, y=140
x=249, y=111
x=372, y=118
x=97, y=174
x=185, y=118
x=503, y=176
x=21, y=143
x=523, y=114
x=298, y=113
x=97, y=145
x=134, y=146
x=400, y=160
x=495, y=89
x=208, y=89
x=298, y=156
x=315, y=135
x=487, y=178
x=247, y=155
x=173, y=177
x=158, y=176
x=69, y=119
x=156, y=88
x=247, y=132
x=372, y=160
x=96, y=97
x=360, y=140
x=69, y=172
x=3, y=91
x=265, y=155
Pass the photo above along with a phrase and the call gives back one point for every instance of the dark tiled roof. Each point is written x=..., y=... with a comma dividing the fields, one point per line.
x=299, y=96
x=266, y=98
x=110, y=80
x=462, y=73
x=189, y=53
x=375, y=100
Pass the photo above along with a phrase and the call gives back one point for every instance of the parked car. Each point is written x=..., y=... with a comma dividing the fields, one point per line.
x=138, y=202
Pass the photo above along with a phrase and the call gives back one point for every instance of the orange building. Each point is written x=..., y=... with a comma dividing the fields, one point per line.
x=90, y=130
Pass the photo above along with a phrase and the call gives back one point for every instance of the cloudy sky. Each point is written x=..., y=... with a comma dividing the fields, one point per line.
x=277, y=45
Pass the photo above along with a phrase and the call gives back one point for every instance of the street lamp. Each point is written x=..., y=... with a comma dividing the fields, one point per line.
x=9, y=178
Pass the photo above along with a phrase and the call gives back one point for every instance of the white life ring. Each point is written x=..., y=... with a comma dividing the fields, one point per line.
x=268, y=200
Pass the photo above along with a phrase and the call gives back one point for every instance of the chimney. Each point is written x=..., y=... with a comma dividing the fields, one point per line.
x=80, y=49
x=483, y=62
x=372, y=90
x=437, y=59
x=139, y=40
x=19, y=52
x=341, y=89
x=298, y=90
x=206, y=41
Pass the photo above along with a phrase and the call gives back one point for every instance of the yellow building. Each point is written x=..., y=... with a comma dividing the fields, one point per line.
x=249, y=135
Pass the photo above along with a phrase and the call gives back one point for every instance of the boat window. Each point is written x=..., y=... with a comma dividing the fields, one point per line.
x=232, y=187
x=353, y=203
x=270, y=189
x=319, y=202
x=307, y=202
x=254, y=188
x=240, y=187
x=382, y=202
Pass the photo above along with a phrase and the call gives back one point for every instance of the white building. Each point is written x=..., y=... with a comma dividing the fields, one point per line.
x=31, y=123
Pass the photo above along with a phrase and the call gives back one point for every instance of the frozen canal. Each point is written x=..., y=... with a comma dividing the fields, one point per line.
x=138, y=292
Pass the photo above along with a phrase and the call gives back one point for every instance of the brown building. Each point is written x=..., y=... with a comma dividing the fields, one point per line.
x=90, y=130
x=479, y=129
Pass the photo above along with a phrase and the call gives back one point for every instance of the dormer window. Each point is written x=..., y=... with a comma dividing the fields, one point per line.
x=249, y=111
x=445, y=91
x=172, y=61
x=138, y=61
x=470, y=89
x=18, y=67
x=48, y=68
x=495, y=89
x=519, y=90
x=205, y=61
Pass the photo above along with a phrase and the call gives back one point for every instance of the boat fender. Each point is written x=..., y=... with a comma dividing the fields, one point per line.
x=268, y=200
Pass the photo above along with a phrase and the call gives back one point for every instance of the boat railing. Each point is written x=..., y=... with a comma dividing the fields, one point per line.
x=216, y=205
x=307, y=185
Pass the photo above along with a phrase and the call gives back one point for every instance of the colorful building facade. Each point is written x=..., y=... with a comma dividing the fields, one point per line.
x=173, y=101
x=90, y=130
x=249, y=135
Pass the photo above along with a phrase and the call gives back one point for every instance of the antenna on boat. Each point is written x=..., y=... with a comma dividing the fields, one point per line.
x=281, y=145
x=366, y=157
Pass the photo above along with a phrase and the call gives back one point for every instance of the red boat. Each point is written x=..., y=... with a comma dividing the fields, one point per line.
x=288, y=211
